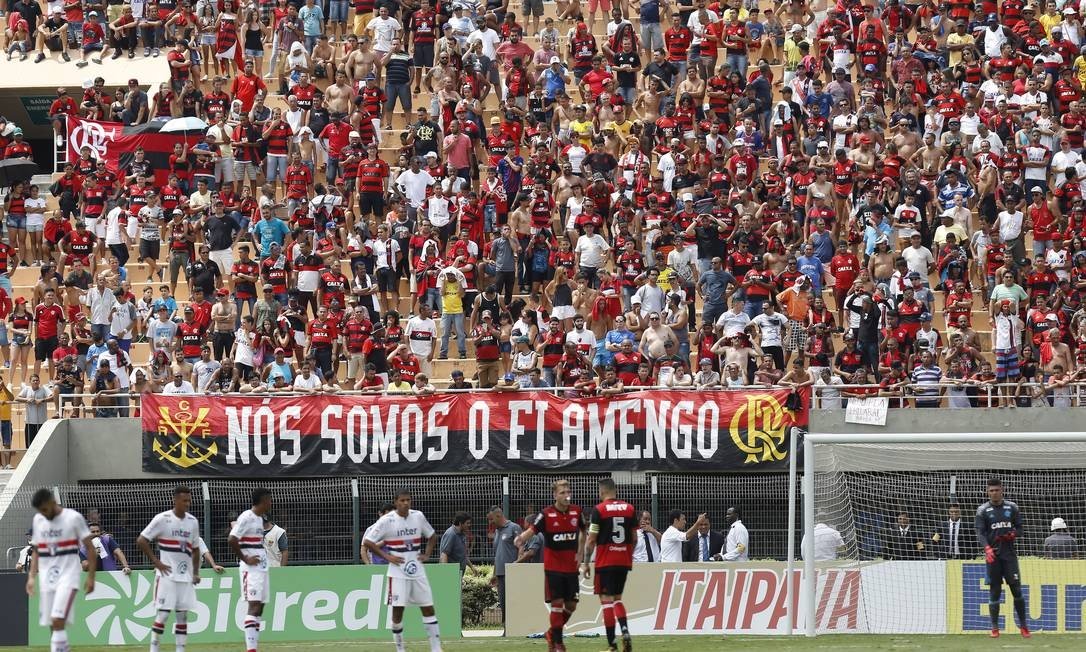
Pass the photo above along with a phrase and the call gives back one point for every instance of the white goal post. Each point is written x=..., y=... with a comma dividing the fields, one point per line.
x=863, y=485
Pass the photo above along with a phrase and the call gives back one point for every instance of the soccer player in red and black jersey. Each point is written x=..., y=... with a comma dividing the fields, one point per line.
x=612, y=535
x=563, y=526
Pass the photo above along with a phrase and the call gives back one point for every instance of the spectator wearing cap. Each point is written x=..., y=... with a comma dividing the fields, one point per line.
x=53, y=34
x=927, y=338
x=1060, y=544
x=487, y=338
x=93, y=39
x=1010, y=224
x=458, y=381
x=137, y=107
x=267, y=307
x=706, y=378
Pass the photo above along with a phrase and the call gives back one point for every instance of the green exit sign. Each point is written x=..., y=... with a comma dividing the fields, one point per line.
x=37, y=108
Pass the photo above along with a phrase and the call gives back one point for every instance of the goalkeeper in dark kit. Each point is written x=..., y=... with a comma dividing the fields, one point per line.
x=998, y=524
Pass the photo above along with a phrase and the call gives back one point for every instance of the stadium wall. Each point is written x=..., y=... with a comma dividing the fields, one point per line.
x=878, y=597
x=957, y=421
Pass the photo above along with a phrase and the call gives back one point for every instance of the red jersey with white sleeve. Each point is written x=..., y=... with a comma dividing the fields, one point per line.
x=403, y=536
x=249, y=531
x=176, y=537
x=560, y=532
x=614, y=522
x=57, y=542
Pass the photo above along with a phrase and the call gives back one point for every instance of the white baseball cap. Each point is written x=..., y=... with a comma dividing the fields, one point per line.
x=1058, y=524
x=555, y=60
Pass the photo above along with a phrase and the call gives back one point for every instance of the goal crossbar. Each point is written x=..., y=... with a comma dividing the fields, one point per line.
x=809, y=584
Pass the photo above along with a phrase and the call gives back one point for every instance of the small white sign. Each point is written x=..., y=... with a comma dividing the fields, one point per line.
x=867, y=411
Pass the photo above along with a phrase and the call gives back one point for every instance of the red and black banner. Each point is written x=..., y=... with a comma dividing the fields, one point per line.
x=116, y=144
x=467, y=433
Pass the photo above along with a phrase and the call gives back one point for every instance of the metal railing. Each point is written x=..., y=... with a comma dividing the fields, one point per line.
x=954, y=393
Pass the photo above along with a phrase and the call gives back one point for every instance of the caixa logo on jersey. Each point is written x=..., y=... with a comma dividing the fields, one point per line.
x=93, y=135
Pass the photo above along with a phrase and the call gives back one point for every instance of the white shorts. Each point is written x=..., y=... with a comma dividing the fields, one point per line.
x=224, y=258
x=409, y=593
x=255, y=586
x=563, y=312
x=58, y=603
x=174, y=596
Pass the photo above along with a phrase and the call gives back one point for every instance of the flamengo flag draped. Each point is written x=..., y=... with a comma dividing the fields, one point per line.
x=116, y=144
x=466, y=433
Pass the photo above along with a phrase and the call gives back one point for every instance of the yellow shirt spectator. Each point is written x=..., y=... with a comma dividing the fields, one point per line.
x=664, y=280
x=583, y=130
x=6, y=397
x=452, y=300
x=958, y=39
x=1080, y=69
x=1049, y=19
x=793, y=56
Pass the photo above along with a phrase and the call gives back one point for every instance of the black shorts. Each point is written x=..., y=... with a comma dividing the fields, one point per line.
x=561, y=586
x=610, y=580
x=44, y=347
x=424, y=55
x=387, y=280
x=1004, y=569
x=149, y=249
x=371, y=202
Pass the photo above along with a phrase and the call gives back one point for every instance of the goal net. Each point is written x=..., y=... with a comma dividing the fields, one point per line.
x=908, y=559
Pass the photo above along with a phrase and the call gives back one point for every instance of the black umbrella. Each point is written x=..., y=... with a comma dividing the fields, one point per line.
x=15, y=170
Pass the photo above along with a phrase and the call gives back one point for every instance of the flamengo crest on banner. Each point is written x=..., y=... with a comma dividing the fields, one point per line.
x=319, y=435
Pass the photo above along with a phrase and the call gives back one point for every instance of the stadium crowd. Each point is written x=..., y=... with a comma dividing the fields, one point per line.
x=689, y=195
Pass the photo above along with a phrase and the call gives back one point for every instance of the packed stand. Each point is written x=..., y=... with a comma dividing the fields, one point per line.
x=693, y=195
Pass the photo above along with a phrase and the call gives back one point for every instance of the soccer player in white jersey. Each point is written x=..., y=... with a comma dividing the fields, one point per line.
x=55, y=538
x=177, y=566
x=247, y=542
x=398, y=537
